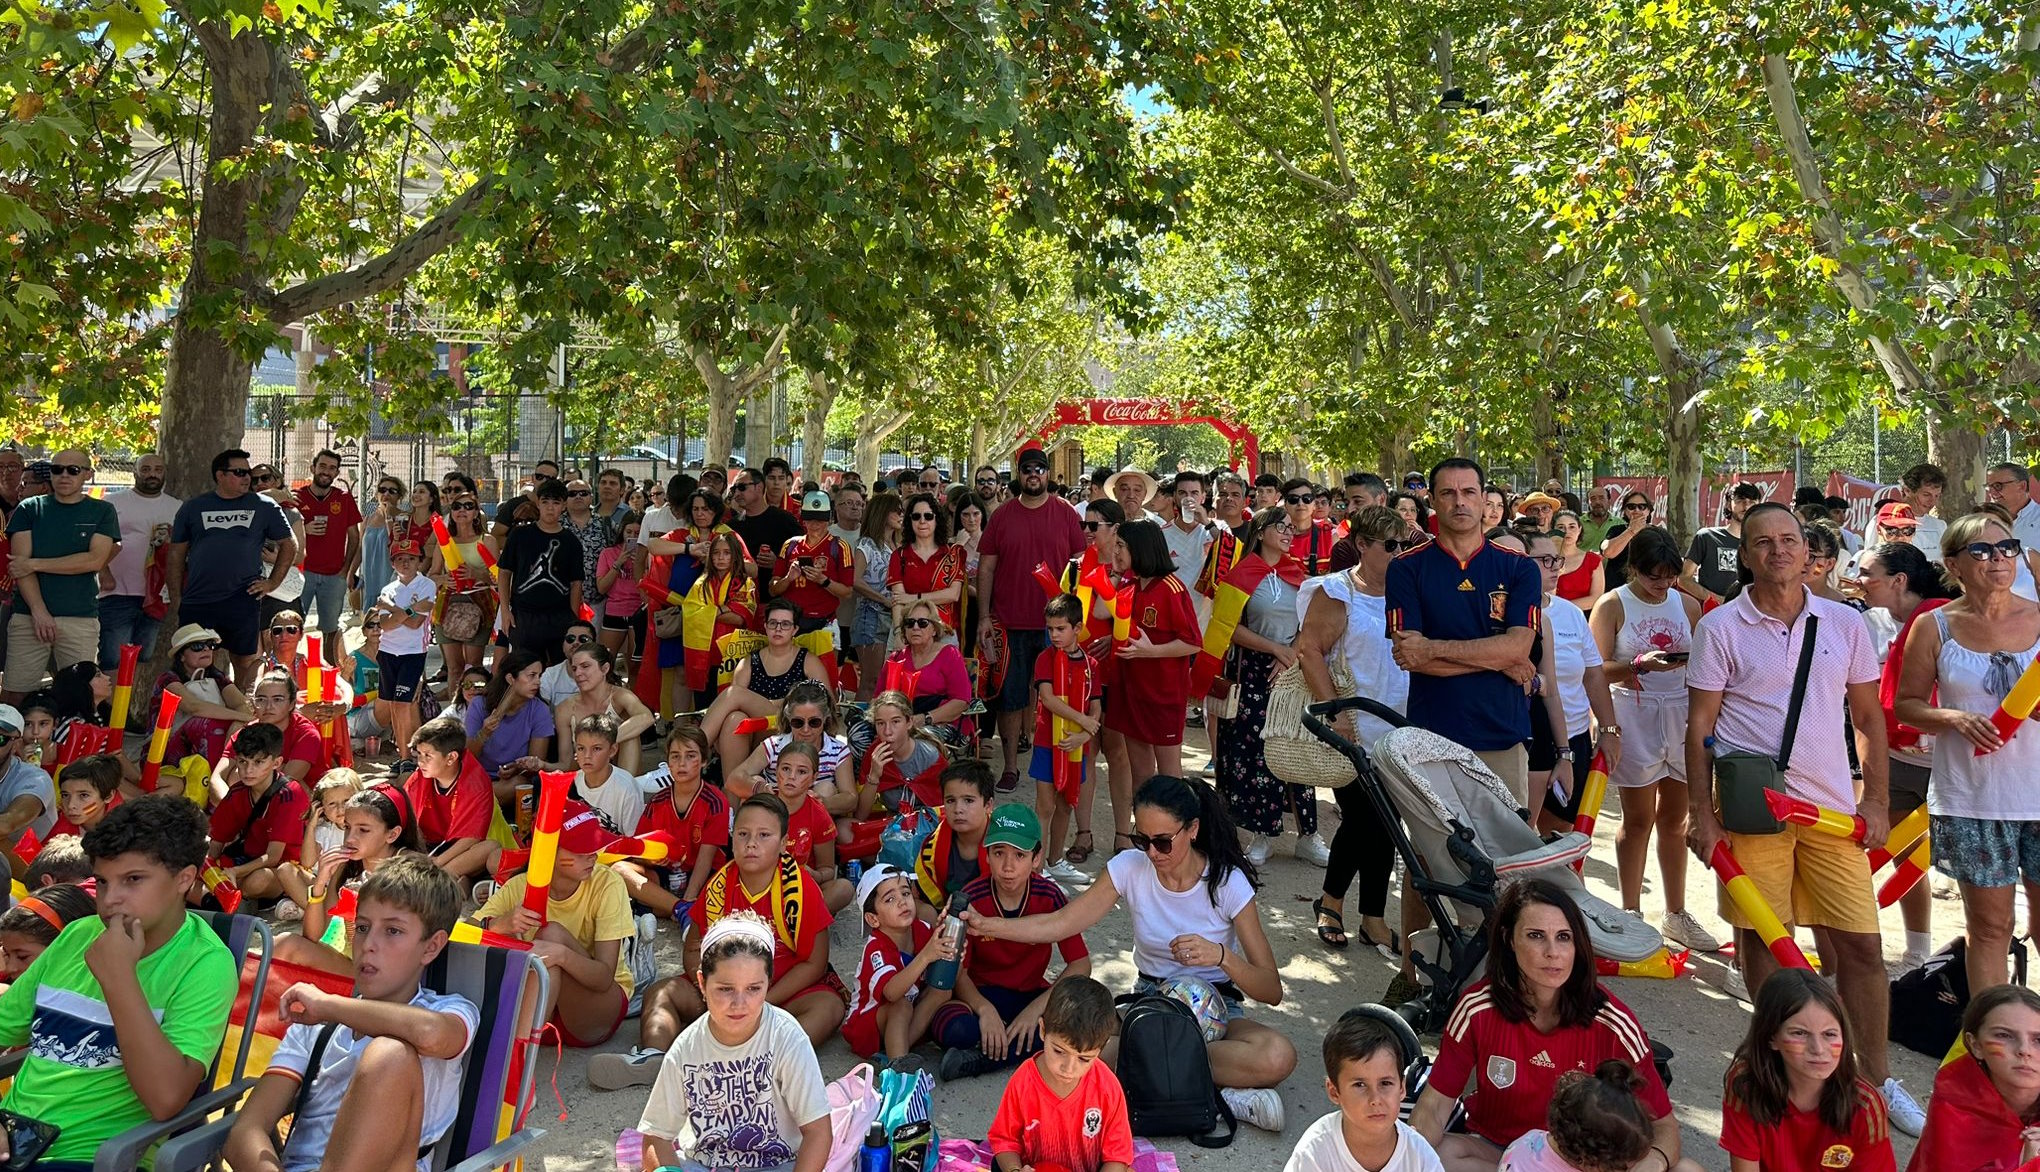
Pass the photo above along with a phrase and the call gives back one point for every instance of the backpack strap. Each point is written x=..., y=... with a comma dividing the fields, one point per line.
x=1212, y=1139
x=304, y=1089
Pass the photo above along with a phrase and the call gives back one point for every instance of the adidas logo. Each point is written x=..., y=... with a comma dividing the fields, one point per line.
x=1543, y=1059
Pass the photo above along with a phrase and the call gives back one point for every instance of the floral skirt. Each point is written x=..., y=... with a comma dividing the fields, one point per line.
x=1254, y=795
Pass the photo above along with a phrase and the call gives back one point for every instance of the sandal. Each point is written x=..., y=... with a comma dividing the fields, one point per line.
x=1333, y=934
x=1080, y=847
x=1392, y=949
x=1118, y=838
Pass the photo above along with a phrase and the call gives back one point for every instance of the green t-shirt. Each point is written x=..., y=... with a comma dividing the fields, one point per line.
x=59, y=531
x=73, y=1075
x=1593, y=533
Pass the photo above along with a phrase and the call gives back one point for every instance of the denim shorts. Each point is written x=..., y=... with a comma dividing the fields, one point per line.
x=1986, y=852
x=1235, y=1007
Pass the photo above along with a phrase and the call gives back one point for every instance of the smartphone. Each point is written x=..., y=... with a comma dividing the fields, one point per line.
x=1678, y=656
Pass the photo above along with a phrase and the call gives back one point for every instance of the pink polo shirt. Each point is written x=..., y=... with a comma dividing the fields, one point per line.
x=1749, y=656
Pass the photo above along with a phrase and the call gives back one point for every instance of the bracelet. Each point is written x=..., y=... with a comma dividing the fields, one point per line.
x=315, y=896
x=1660, y=1151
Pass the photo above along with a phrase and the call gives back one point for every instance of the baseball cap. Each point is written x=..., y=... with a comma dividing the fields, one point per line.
x=816, y=506
x=10, y=720
x=1015, y=825
x=874, y=875
x=405, y=548
x=1031, y=457
x=1894, y=511
x=582, y=833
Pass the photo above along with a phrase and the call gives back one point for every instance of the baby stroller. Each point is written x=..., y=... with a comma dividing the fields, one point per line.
x=1460, y=835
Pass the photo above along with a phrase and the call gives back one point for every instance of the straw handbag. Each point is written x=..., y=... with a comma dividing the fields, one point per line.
x=1292, y=753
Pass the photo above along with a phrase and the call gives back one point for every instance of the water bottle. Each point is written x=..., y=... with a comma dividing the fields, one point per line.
x=876, y=1154
x=942, y=974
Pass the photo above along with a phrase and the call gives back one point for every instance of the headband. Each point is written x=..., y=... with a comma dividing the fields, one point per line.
x=43, y=910
x=744, y=924
x=398, y=800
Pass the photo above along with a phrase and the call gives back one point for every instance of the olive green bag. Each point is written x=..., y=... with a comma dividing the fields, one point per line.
x=1740, y=778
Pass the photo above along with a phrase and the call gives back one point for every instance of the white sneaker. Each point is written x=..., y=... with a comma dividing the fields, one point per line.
x=613, y=1072
x=1257, y=849
x=1261, y=1106
x=1066, y=873
x=1734, y=985
x=1905, y=964
x=1904, y=1111
x=288, y=912
x=1312, y=849
x=1683, y=928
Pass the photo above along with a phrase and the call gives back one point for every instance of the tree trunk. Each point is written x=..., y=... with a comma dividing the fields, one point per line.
x=721, y=429
x=872, y=432
x=1957, y=447
x=1550, y=453
x=1682, y=428
x=979, y=442
x=814, y=429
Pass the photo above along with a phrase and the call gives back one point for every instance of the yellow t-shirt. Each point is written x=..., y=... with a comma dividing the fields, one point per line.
x=598, y=910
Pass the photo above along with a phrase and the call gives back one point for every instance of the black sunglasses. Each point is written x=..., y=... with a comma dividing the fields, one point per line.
x=806, y=721
x=1393, y=545
x=1633, y=506
x=202, y=645
x=580, y=639
x=238, y=471
x=1161, y=844
x=69, y=469
x=1983, y=551
x=1296, y=500
x=388, y=490
x=466, y=507
x=920, y=516
x=574, y=492
x=286, y=630
x=1094, y=526
x=917, y=623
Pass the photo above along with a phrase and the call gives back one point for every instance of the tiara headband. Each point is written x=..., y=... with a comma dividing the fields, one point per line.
x=745, y=924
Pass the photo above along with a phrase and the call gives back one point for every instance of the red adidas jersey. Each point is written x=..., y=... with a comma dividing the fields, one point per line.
x=813, y=599
x=1163, y=610
x=1082, y=1132
x=1506, y=1072
x=806, y=827
x=705, y=822
x=1801, y=1140
x=882, y=959
x=461, y=812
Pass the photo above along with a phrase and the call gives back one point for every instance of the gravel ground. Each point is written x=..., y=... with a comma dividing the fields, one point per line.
x=1691, y=1014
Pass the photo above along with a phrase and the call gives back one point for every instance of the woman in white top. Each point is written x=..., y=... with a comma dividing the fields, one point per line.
x=1190, y=891
x=1573, y=672
x=1345, y=614
x=1644, y=630
x=1986, y=810
x=593, y=668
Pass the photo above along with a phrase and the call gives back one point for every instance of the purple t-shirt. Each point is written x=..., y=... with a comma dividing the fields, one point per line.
x=1023, y=538
x=514, y=736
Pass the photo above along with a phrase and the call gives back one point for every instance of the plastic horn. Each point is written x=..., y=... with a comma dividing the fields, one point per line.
x=1592, y=795
x=545, y=839
x=159, y=741
x=1663, y=964
x=449, y=553
x=124, y=687
x=651, y=589
x=1910, y=870
x=488, y=560
x=1786, y=808
x=752, y=725
x=1751, y=903
x=655, y=847
x=222, y=886
x=1122, y=618
x=1903, y=836
x=468, y=932
x=315, y=671
x=2018, y=703
x=1046, y=579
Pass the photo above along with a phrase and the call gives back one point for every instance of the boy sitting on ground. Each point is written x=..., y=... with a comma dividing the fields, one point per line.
x=1065, y=1107
x=955, y=854
x=894, y=1002
x=260, y=825
x=388, y=1080
x=143, y=971
x=89, y=788
x=453, y=799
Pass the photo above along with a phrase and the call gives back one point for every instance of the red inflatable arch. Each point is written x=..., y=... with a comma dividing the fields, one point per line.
x=1246, y=447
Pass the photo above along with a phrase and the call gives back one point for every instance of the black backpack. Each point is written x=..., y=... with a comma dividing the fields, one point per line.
x=1167, y=1076
x=1927, y=1003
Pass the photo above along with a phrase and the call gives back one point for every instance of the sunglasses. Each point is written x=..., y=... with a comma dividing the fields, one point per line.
x=286, y=630
x=1296, y=500
x=69, y=469
x=915, y=624
x=237, y=471
x=574, y=492
x=1636, y=507
x=202, y=645
x=1983, y=551
x=920, y=516
x=1094, y=526
x=574, y=639
x=993, y=480
x=1392, y=545
x=386, y=490
x=476, y=686
x=1161, y=844
x=1894, y=531
x=461, y=508
x=805, y=721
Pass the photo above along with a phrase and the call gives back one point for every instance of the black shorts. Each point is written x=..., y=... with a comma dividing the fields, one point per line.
x=237, y=619
x=1908, y=787
x=540, y=632
x=1022, y=649
x=634, y=622
x=400, y=676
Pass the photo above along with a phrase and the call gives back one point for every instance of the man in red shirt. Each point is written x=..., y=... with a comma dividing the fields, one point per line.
x=814, y=569
x=332, y=548
x=1314, y=538
x=1040, y=529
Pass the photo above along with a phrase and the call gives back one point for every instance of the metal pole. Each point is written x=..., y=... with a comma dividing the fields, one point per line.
x=1876, y=443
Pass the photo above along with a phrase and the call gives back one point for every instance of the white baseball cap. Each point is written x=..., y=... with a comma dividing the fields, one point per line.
x=10, y=720
x=874, y=875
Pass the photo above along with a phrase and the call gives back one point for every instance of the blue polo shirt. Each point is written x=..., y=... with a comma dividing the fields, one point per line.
x=1432, y=592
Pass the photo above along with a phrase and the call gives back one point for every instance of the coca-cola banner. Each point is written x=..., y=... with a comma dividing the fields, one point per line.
x=1777, y=486
x=1862, y=496
x=1144, y=412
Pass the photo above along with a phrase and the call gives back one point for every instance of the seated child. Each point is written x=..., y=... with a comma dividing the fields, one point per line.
x=1081, y=710
x=608, y=790
x=1987, y=1097
x=1364, y=1080
x=1793, y=1098
x=364, y=720
x=61, y=860
x=1065, y=1106
x=89, y=787
x=762, y=878
x=173, y=985
x=378, y=827
x=260, y=824
x=740, y=1088
x=1595, y=1123
x=38, y=731
x=955, y=854
x=326, y=829
x=452, y=800
x=388, y=1079
x=810, y=832
x=897, y=956
x=1003, y=989
x=902, y=768
x=28, y=928
x=581, y=936
x=302, y=753
x=696, y=815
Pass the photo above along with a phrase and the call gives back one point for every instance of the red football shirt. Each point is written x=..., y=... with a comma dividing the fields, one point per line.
x=1009, y=964
x=1313, y=547
x=1513, y=1068
x=461, y=811
x=327, y=520
x=64, y=825
x=705, y=822
x=911, y=572
x=1081, y=1132
x=1163, y=609
x=814, y=917
x=280, y=819
x=833, y=556
x=1801, y=1140
x=1087, y=686
x=881, y=960
x=807, y=826
x=301, y=742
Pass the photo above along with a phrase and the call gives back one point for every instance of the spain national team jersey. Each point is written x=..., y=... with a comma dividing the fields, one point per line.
x=1801, y=1140
x=1432, y=592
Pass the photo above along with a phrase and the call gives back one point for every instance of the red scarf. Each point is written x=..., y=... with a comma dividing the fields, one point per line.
x=1901, y=736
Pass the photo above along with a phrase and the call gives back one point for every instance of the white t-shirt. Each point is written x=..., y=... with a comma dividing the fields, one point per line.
x=619, y=801
x=1323, y=1149
x=1574, y=651
x=418, y=592
x=1161, y=915
x=138, y=516
x=313, y=1128
x=737, y=1106
x=555, y=686
x=19, y=779
x=659, y=521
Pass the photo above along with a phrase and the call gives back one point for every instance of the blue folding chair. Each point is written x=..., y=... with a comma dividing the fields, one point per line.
x=123, y=1153
x=496, y=980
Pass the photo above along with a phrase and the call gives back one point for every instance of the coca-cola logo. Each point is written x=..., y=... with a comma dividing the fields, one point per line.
x=1134, y=411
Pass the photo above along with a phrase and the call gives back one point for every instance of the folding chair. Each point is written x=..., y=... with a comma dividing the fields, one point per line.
x=123, y=1153
x=489, y=1131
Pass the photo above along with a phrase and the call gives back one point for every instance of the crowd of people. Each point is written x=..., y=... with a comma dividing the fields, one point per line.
x=776, y=677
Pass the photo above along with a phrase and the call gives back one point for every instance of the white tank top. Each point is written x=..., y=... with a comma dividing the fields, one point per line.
x=1653, y=627
x=1995, y=786
x=1368, y=651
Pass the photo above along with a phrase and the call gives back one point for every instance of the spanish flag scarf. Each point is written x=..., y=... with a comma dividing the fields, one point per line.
x=931, y=870
x=1227, y=605
x=649, y=683
x=702, y=628
x=787, y=903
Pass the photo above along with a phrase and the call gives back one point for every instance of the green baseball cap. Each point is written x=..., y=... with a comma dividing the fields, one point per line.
x=1015, y=825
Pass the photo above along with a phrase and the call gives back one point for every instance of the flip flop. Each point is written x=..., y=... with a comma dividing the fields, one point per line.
x=1079, y=854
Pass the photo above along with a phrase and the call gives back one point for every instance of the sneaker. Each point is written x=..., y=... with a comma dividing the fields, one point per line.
x=1683, y=928
x=1734, y=985
x=1257, y=849
x=1904, y=964
x=1311, y=849
x=613, y=1072
x=1008, y=782
x=1261, y=1106
x=288, y=912
x=1402, y=988
x=1904, y=1111
x=1066, y=873
x=958, y=1063
x=907, y=1064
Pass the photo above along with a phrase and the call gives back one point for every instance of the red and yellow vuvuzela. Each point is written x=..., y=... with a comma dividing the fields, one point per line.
x=159, y=741
x=124, y=689
x=1910, y=870
x=1786, y=808
x=545, y=839
x=2017, y=705
x=1751, y=903
x=1910, y=829
x=1592, y=795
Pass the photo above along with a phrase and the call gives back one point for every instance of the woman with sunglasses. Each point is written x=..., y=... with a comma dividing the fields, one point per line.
x=927, y=567
x=680, y=557
x=931, y=670
x=1580, y=580
x=375, y=537
x=872, y=557
x=1346, y=614
x=807, y=715
x=1644, y=632
x=470, y=532
x=1636, y=513
x=761, y=681
x=1958, y=668
x=283, y=650
x=210, y=708
x=1190, y=892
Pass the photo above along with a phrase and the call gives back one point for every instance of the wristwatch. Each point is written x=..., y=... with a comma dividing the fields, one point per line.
x=1611, y=730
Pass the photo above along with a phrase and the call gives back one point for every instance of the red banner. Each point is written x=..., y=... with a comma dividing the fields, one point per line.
x=1143, y=412
x=1862, y=496
x=1777, y=486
